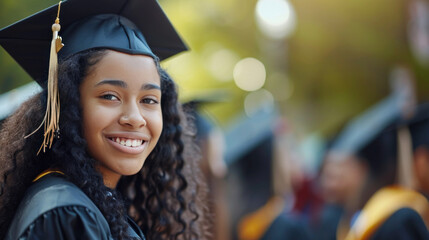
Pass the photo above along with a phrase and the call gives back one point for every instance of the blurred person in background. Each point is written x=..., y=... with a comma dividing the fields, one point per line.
x=338, y=181
x=344, y=171
x=383, y=209
x=278, y=213
x=418, y=30
x=418, y=38
x=377, y=208
x=419, y=129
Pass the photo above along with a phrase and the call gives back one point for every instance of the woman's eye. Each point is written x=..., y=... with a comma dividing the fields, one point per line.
x=109, y=97
x=149, y=101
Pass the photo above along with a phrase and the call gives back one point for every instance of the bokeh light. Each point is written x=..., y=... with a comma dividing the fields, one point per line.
x=221, y=64
x=249, y=74
x=275, y=18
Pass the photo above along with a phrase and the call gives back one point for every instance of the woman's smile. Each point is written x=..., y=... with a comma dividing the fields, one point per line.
x=130, y=143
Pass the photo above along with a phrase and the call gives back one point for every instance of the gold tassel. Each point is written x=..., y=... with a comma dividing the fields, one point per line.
x=52, y=114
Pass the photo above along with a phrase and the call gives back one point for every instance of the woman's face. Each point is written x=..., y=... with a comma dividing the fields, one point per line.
x=122, y=117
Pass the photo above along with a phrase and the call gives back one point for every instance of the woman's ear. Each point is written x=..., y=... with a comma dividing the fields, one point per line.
x=421, y=157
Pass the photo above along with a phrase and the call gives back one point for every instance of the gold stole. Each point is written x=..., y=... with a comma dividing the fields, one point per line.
x=382, y=205
x=46, y=172
x=254, y=225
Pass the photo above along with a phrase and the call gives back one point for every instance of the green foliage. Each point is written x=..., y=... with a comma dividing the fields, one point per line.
x=342, y=53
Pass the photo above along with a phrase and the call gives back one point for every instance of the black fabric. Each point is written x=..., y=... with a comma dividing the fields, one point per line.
x=110, y=31
x=134, y=230
x=71, y=222
x=287, y=227
x=328, y=223
x=419, y=126
x=404, y=224
x=54, y=208
x=28, y=41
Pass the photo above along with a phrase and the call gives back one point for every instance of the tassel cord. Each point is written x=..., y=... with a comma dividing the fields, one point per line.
x=52, y=114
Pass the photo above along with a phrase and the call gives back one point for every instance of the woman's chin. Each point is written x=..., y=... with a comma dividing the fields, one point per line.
x=131, y=170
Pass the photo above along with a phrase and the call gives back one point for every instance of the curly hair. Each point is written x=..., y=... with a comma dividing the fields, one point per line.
x=162, y=198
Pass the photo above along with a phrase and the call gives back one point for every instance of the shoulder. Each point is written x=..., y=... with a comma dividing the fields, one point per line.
x=405, y=223
x=54, y=200
x=66, y=222
x=288, y=226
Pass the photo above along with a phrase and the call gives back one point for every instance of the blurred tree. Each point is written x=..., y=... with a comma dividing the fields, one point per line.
x=341, y=57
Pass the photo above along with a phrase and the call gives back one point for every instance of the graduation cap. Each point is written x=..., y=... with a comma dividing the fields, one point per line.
x=129, y=26
x=361, y=130
x=246, y=133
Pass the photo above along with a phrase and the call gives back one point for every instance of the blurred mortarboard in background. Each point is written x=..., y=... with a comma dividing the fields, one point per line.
x=130, y=26
x=246, y=133
x=366, y=127
x=419, y=126
x=204, y=123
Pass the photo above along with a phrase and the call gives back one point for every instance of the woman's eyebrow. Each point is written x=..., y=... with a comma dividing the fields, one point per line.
x=150, y=86
x=118, y=83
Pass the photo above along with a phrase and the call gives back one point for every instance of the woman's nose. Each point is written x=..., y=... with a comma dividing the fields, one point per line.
x=132, y=116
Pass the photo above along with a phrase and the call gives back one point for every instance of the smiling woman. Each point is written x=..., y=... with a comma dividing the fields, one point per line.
x=112, y=161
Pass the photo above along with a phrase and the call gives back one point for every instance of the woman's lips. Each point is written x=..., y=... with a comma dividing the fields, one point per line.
x=128, y=145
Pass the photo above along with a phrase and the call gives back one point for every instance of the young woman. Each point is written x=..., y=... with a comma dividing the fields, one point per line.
x=116, y=168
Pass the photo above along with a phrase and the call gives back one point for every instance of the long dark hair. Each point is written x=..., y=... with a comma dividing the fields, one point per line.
x=162, y=197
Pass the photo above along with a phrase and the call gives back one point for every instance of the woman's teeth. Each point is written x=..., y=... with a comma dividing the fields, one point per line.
x=128, y=142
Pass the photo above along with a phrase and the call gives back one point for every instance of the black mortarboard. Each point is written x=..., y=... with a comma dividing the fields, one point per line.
x=245, y=133
x=359, y=132
x=131, y=26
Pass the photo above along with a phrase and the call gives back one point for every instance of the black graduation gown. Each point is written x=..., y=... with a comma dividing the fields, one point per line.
x=327, y=224
x=285, y=227
x=404, y=224
x=54, y=208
